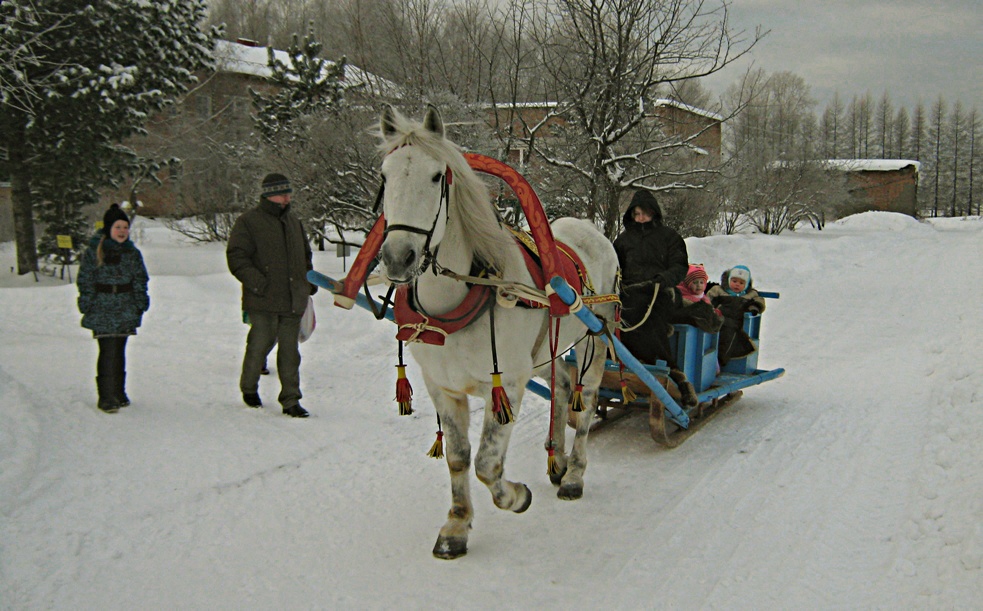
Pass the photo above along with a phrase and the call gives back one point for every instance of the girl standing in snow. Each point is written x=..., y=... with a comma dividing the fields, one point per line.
x=112, y=284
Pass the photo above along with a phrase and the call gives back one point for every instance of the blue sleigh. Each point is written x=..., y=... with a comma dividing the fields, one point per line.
x=695, y=352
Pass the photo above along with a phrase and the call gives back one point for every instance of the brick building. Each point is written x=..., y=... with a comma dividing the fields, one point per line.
x=879, y=184
x=675, y=119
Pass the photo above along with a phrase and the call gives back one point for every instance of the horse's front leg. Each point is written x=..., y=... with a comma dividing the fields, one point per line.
x=572, y=483
x=452, y=542
x=562, y=416
x=489, y=462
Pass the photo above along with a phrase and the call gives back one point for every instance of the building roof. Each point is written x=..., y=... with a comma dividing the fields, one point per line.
x=659, y=102
x=693, y=109
x=250, y=59
x=872, y=165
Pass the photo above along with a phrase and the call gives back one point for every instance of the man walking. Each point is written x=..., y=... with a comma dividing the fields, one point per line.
x=269, y=254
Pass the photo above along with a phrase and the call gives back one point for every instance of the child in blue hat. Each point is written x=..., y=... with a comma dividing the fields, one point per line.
x=734, y=296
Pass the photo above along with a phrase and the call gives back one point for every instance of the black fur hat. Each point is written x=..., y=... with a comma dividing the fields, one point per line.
x=275, y=184
x=115, y=213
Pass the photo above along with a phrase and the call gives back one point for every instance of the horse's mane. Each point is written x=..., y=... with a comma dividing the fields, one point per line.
x=470, y=204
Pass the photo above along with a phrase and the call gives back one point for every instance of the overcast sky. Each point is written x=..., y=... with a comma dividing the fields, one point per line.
x=912, y=49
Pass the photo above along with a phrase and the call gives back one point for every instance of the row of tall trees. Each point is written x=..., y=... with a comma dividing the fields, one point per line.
x=780, y=123
x=942, y=137
x=597, y=60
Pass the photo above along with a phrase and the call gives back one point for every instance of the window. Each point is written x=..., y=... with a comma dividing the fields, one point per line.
x=203, y=106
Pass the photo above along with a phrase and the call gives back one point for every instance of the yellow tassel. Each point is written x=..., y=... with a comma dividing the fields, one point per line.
x=551, y=467
x=577, y=399
x=437, y=449
x=404, y=392
x=627, y=394
x=500, y=401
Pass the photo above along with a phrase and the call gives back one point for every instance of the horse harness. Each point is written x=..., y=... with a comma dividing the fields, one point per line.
x=416, y=325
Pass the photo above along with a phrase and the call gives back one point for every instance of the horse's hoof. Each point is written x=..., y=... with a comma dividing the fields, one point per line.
x=449, y=548
x=570, y=492
x=557, y=478
x=525, y=505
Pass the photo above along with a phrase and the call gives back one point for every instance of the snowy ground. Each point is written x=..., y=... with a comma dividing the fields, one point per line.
x=852, y=482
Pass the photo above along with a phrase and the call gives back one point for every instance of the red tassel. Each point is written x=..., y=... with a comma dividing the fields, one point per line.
x=437, y=449
x=577, y=399
x=500, y=401
x=404, y=392
x=627, y=394
x=551, y=466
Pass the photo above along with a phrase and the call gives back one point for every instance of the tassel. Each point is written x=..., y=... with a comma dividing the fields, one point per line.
x=437, y=449
x=627, y=394
x=577, y=399
x=500, y=401
x=551, y=467
x=404, y=392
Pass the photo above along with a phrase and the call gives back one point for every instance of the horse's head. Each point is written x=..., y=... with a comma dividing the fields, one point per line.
x=415, y=198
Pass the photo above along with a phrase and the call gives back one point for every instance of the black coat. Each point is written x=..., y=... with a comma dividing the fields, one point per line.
x=649, y=252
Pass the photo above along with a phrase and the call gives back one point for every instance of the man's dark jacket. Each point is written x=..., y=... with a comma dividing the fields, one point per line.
x=650, y=251
x=269, y=254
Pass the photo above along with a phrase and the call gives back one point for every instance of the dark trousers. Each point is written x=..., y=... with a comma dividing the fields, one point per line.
x=111, y=372
x=266, y=330
x=112, y=356
x=649, y=342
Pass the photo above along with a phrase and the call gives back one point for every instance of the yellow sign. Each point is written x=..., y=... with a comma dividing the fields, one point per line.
x=64, y=241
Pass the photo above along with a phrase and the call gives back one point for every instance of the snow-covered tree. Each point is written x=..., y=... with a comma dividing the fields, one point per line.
x=318, y=139
x=307, y=85
x=76, y=80
x=605, y=64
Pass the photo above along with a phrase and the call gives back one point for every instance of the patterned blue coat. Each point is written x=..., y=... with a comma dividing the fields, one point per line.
x=103, y=311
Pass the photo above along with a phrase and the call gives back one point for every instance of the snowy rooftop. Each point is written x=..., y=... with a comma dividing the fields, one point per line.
x=659, y=102
x=872, y=165
x=241, y=58
x=861, y=165
x=693, y=109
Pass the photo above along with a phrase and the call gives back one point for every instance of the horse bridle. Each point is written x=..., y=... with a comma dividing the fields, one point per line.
x=429, y=257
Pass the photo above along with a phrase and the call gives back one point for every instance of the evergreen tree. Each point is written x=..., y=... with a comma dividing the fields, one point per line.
x=307, y=86
x=74, y=84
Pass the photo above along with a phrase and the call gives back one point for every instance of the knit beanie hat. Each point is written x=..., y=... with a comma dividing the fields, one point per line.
x=115, y=213
x=742, y=272
x=275, y=184
x=696, y=272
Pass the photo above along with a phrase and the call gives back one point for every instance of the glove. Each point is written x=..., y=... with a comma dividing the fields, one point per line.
x=314, y=288
x=754, y=309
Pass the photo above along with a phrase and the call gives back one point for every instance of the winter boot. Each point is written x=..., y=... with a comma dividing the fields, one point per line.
x=121, y=393
x=108, y=401
x=295, y=411
x=687, y=393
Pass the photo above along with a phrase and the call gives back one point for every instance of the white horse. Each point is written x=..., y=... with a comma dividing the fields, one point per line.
x=423, y=213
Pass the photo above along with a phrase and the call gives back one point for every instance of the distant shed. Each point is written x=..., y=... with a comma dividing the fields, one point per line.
x=889, y=185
